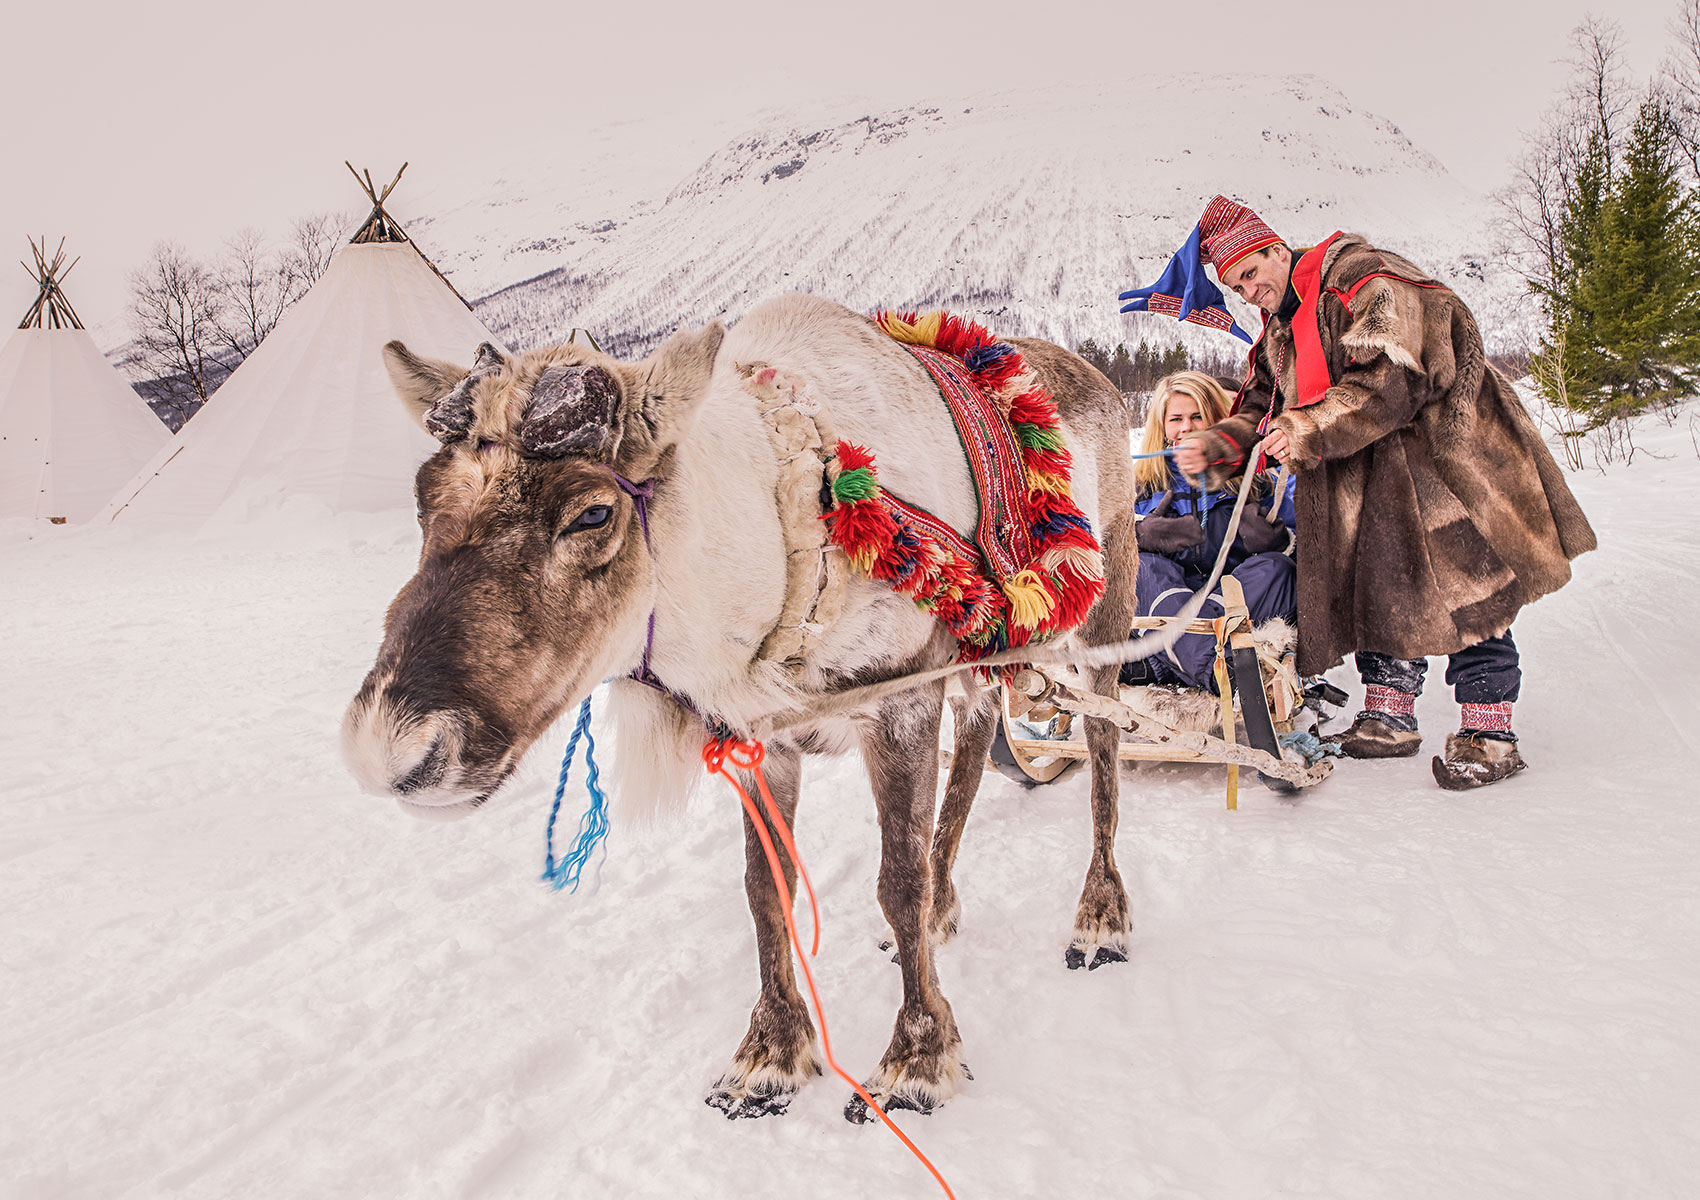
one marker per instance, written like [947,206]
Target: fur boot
[1475,760]
[1371,736]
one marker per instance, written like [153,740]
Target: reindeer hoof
[857,1111]
[1075,957]
[739,1106]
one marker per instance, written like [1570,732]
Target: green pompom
[855,485]
[1035,437]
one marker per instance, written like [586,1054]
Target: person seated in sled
[1180,530]
[1429,509]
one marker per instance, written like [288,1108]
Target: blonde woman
[1181,531]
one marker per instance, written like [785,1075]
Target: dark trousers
[1270,582]
[1486,673]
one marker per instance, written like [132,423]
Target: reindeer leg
[976,719]
[778,1054]
[1101,921]
[922,1066]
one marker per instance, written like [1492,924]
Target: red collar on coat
[1310,364]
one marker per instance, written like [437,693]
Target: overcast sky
[130,123]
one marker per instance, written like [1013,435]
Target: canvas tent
[71,428]
[309,417]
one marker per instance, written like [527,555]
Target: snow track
[227,973]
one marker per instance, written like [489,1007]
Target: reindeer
[588,519]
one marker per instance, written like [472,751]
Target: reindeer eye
[594,517]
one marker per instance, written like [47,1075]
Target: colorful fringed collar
[1034,568]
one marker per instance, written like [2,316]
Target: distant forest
[1138,371]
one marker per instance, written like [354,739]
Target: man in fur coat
[1429,509]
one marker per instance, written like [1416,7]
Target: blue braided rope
[592,827]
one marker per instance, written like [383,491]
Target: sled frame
[1031,691]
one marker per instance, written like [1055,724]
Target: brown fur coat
[1429,509]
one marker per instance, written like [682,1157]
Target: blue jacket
[1217,508]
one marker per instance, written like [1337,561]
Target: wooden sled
[1060,698]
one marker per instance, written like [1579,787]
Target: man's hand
[1168,535]
[1277,447]
[1189,456]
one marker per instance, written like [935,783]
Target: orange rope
[747,756]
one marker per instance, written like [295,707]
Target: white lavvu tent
[310,414]
[71,428]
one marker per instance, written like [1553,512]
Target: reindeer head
[534,580]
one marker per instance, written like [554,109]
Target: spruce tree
[1564,367]
[1093,353]
[1639,297]
[1144,368]
[1121,368]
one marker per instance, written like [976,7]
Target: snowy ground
[227,973]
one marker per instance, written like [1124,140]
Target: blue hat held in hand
[1186,292]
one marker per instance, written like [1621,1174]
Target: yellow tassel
[924,332]
[863,560]
[1088,564]
[1044,481]
[1029,600]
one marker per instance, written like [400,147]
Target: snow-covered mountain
[1030,208]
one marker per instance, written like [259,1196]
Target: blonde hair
[1152,474]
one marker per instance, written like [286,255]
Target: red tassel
[1033,407]
[1051,462]
[855,527]
[1075,597]
[852,456]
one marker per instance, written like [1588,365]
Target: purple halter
[642,494]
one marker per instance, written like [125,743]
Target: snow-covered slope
[224,972]
[1030,208]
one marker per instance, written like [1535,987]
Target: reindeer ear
[439,394]
[674,381]
[573,410]
[419,382]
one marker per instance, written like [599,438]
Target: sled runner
[1040,734]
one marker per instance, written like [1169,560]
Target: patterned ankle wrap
[1395,709]
[1389,700]
[1486,718]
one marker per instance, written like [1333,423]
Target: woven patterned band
[1389,700]
[1487,718]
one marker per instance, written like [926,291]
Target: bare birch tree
[1681,78]
[175,306]
[1587,120]
[256,284]
[313,239]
